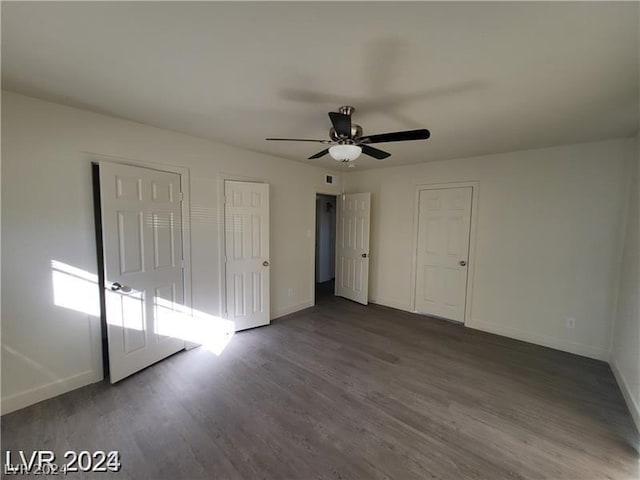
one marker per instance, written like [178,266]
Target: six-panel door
[352,246]
[247,260]
[444,219]
[143,259]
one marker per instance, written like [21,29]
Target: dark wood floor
[352,392]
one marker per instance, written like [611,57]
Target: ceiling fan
[347,141]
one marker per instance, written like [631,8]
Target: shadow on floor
[325,291]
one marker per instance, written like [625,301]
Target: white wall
[47,216]
[549,226]
[625,345]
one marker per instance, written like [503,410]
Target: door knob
[364,255]
[115,287]
[462,263]
[265,263]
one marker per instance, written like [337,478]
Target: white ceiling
[483,77]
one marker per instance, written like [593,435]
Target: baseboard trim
[292,309]
[570,347]
[632,404]
[43,392]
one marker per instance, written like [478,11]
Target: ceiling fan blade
[298,140]
[421,134]
[374,152]
[341,123]
[319,154]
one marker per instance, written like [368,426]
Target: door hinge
[182,263]
[180,196]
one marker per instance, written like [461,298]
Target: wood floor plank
[347,391]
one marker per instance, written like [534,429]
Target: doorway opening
[325,252]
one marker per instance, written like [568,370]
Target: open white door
[444,222]
[143,263]
[246,219]
[352,247]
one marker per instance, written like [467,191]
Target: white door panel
[142,245]
[444,221]
[247,253]
[352,246]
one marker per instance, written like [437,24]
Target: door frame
[97,159]
[222,249]
[472,240]
[319,191]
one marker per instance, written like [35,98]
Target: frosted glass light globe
[345,153]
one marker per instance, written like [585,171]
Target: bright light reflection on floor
[175,320]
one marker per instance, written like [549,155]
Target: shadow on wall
[382,58]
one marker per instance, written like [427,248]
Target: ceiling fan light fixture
[345,153]
[347,140]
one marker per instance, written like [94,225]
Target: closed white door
[143,266]
[444,222]
[352,247]
[246,221]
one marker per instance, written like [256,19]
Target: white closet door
[444,222]
[247,253]
[143,262]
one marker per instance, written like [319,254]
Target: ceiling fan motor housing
[356,132]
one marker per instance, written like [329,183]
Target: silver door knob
[462,263]
[115,287]
[265,264]
[364,255]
